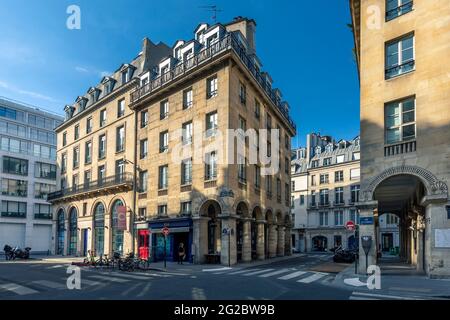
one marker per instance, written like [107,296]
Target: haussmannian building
[325,186]
[27,175]
[402,51]
[180,165]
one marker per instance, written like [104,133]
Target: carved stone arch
[108,210]
[269,215]
[58,210]
[245,202]
[203,200]
[261,211]
[96,202]
[433,185]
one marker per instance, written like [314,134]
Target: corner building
[221,210]
[402,50]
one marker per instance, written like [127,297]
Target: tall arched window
[73,231]
[99,229]
[117,235]
[60,232]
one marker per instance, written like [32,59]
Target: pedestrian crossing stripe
[376,296]
[243,271]
[106,278]
[257,272]
[312,278]
[292,275]
[49,284]
[274,273]
[17,289]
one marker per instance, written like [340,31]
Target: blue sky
[306,46]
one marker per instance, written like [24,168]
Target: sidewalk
[396,283]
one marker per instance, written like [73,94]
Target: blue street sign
[366,220]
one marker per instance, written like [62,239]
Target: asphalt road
[291,279]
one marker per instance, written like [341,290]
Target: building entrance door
[144,244]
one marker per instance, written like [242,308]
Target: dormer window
[69,110]
[318,149]
[126,73]
[94,93]
[329,148]
[82,101]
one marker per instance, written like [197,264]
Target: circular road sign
[350,226]
[165,231]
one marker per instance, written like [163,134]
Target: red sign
[122,218]
[350,225]
[165,231]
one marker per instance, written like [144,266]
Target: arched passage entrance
[99,229]
[257,230]
[73,232]
[60,229]
[319,243]
[417,197]
[242,231]
[211,210]
[400,196]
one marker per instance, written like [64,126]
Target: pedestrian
[181,253]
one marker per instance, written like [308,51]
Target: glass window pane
[408,105]
[393,135]
[409,132]
[408,117]
[407,55]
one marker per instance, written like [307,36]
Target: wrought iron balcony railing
[111,181]
[227,43]
[400,10]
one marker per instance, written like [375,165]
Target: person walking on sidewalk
[181,253]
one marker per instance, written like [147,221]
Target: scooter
[346,256]
[21,254]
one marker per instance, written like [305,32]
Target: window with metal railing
[397,8]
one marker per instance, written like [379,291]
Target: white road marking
[218,269]
[56,267]
[257,272]
[89,282]
[145,290]
[360,298]
[129,276]
[292,275]
[243,271]
[50,284]
[383,296]
[314,277]
[17,289]
[112,279]
[274,273]
[354,282]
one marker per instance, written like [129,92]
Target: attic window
[109,85]
[329,148]
[82,104]
[318,150]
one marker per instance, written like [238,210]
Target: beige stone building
[208,88]
[95,155]
[325,188]
[194,173]
[403,49]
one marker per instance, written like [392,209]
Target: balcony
[312,205]
[324,204]
[398,70]
[400,148]
[339,203]
[111,184]
[227,44]
[400,10]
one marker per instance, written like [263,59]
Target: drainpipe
[133,214]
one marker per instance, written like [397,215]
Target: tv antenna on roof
[214,9]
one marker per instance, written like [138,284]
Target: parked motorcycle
[16,253]
[345,256]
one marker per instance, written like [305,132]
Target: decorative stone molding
[433,185]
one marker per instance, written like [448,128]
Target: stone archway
[411,192]
[432,184]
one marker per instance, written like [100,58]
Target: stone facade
[220,213]
[421,158]
[331,169]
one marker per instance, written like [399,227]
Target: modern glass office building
[27,175]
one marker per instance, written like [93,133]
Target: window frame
[400,104]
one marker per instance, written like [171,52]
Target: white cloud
[81,69]
[32,94]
